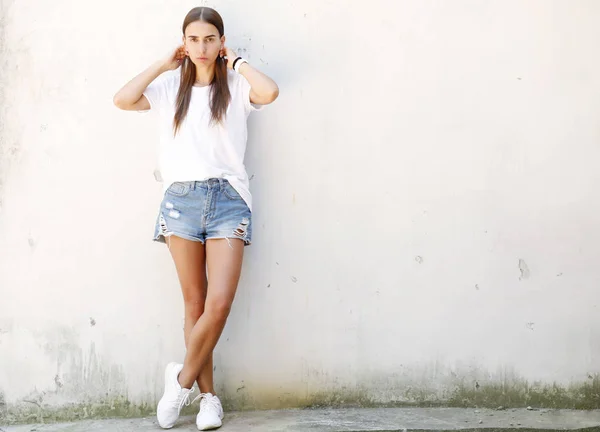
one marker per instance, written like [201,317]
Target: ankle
[183,383]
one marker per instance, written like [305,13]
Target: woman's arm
[130,97]
[263,90]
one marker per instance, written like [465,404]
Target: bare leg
[190,262]
[224,259]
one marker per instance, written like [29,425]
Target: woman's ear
[184,46]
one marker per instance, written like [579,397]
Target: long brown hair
[219,88]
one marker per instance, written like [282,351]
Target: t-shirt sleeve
[157,91]
[245,88]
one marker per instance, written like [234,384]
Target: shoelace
[209,399]
[185,399]
[200,396]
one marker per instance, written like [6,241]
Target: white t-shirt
[201,150]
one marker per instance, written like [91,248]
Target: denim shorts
[202,210]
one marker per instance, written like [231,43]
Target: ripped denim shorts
[202,210]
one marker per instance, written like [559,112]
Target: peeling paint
[520,393]
[34,412]
[459,394]
[524,269]
[452,389]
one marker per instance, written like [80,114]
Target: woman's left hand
[231,56]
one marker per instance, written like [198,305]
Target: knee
[218,310]
[194,307]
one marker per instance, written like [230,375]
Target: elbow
[273,94]
[118,101]
[266,95]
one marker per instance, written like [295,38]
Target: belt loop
[221,184]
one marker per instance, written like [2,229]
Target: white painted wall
[418,151]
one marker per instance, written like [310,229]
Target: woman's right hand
[174,59]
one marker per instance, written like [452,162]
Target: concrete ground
[355,420]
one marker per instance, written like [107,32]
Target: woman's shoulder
[171,77]
[168,83]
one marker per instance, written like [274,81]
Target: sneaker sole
[209,426]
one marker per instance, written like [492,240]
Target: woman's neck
[204,76]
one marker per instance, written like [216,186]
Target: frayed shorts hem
[161,238]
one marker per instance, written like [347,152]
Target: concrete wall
[426,201]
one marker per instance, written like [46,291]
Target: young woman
[205,217]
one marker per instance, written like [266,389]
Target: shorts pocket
[179,189]
[231,193]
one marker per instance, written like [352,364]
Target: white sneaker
[211,412]
[173,399]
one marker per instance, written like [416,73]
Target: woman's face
[202,43]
